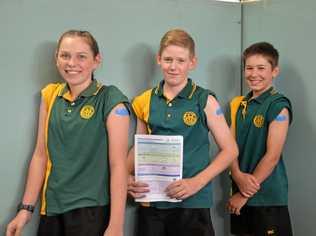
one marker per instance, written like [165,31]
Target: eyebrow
[65,51]
[257,65]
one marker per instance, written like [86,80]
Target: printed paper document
[158,162]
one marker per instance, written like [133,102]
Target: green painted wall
[290,26]
[128,33]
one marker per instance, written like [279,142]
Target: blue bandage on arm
[281,118]
[219,111]
[121,111]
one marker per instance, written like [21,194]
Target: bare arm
[140,129]
[275,142]
[136,189]
[228,151]
[247,183]
[117,125]
[35,178]
[276,138]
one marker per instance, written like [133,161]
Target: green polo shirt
[252,123]
[184,115]
[77,143]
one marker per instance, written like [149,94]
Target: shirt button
[69,111]
[170,104]
[168,115]
[72,104]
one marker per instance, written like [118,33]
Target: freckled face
[176,63]
[75,61]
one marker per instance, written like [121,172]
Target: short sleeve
[113,97]
[48,93]
[234,105]
[141,105]
[203,97]
[277,106]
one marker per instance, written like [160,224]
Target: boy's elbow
[231,152]
[234,152]
[273,158]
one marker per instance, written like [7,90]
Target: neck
[258,93]
[170,92]
[75,90]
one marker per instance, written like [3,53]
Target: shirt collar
[262,97]
[186,92]
[91,90]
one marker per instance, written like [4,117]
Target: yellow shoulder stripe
[141,105]
[49,93]
[234,104]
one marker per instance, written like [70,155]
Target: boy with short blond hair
[177,106]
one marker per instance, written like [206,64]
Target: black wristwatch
[27,207]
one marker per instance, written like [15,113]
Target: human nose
[71,61]
[253,72]
[173,65]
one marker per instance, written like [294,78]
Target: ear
[158,59]
[275,72]
[97,60]
[193,62]
[56,57]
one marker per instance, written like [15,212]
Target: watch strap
[26,207]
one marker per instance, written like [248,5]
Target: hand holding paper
[136,189]
[158,162]
[183,188]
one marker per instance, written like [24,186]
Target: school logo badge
[189,118]
[87,112]
[258,121]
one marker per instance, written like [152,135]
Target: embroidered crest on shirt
[189,118]
[258,121]
[87,112]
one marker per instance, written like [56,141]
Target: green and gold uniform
[77,147]
[251,124]
[184,115]
[265,213]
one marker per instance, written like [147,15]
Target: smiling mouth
[72,72]
[251,79]
[255,82]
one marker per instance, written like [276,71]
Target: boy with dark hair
[260,121]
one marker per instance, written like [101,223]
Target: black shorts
[175,221]
[262,221]
[85,221]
